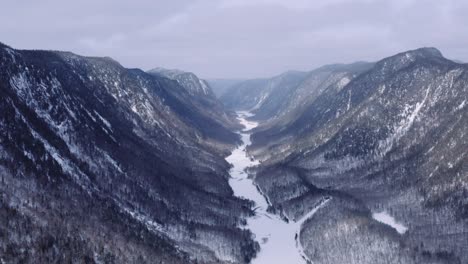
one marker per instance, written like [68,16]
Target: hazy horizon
[241,39]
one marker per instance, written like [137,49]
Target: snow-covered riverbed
[276,237]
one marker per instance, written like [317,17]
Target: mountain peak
[403,59]
[427,52]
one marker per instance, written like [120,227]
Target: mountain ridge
[141,154]
[376,144]
[86,136]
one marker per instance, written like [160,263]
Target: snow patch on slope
[203,86]
[107,123]
[143,219]
[12,53]
[260,102]
[460,107]
[385,218]
[343,82]
[404,126]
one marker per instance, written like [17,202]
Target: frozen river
[277,238]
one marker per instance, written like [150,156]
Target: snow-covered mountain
[103,164]
[202,95]
[391,141]
[283,97]
[290,103]
[188,80]
[367,162]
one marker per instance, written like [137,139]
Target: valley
[361,163]
[278,239]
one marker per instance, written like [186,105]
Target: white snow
[299,223]
[29,155]
[108,125]
[260,102]
[409,117]
[134,109]
[343,82]
[203,86]
[21,83]
[113,162]
[460,107]
[349,101]
[12,53]
[90,115]
[276,237]
[406,125]
[148,222]
[387,219]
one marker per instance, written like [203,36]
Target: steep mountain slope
[262,96]
[188,80]
[328,79]
[273,101]
[105,164]
[280,99]
[392,140]
[202,98]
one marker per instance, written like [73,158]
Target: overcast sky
[236,38]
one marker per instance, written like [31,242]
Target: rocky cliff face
[100,163]
[391,139]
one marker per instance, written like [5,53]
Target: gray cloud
[237,38]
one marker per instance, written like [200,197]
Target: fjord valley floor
[348,163]
[278,239]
